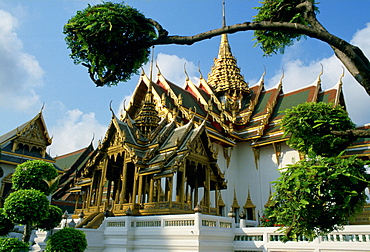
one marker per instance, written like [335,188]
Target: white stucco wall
[242,173]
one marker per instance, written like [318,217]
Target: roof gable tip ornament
[340,81]
[204,121]
[142,71]
[158,70]
[282,77]
[42,107]
[191,115]
[110,108]
[262,79]
[338,87]
[186,74]
[200,72]
[280,83]
[92,140]
[321,73]
[123,111]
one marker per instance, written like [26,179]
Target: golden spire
[235,204]
[249,203]
[224,46]
[147,119]
[270,201]
[225,74]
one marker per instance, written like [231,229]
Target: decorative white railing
[164,221]
[351,238]
[200,232]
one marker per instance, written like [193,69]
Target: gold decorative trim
[25,156]
[256,154]
[249,203]
[235,204]
[267,143]
[269,202]
[278,154]
[220,200]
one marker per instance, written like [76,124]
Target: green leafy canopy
[27,206]
[316,196]
[272,42]
[111,40]
[51,220]
[309,126]
[13,245]
[35,174]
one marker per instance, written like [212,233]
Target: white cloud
[20,73]
[362,39]
[75,131]
[172,68]
[299,74]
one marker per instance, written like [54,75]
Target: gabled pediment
[31,136]
[34,133]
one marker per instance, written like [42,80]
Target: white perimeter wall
[199,232]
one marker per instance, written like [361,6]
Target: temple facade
[26,142]
[212,148]
[151,166]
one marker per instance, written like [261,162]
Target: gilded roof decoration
[249,203]
[147,119]
[225,74]
[28,140]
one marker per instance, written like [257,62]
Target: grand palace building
[185,168]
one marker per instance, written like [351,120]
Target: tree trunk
[27,232]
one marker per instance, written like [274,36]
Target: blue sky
[35,67]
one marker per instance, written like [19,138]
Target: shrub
[35,174]
[310,126]
[5,224]
[12,245]
[26,206]
[53,218]
[317,196]
[67,240]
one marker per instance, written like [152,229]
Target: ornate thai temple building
[26,142]
[179,162]
[151,166]
[213,148]
[185,168]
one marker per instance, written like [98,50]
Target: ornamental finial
[223,14]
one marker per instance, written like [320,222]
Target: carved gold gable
[33,135]
[117,139]
[198,148]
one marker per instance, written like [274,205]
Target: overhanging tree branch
[352,133]
[351,56]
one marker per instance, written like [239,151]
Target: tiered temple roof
[26,142]
[233,111]
[159,153]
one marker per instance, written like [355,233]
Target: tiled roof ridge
[71,153]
